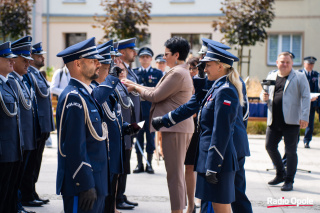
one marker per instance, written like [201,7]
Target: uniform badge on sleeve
[226,102]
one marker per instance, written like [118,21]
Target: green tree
[124,19]
[15,18]
[245,22]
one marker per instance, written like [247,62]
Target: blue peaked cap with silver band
[127,43]
[159,58]
[22,41]
[215,53]
[207,41]
[115,46]
[5,50]
[145,51]
[109,43]
[37,49]
[23,51]
[105,53]
[84,49]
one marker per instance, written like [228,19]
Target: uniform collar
[306,71]
[19,76]
[148,68]
[3,78]
[88,88]
[34,68]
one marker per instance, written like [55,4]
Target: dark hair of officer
[180,45]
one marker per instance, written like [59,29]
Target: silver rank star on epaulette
[225,85]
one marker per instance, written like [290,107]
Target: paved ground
[152,194]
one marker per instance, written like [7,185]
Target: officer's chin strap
[87,121]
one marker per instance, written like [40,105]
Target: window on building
[278,43]
[194,41]
[73,38]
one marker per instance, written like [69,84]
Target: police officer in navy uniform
[44,122]
[313,79]
[11,140]
[26,97]
[241,143]
[82,176]
[126,48]
[161,63]
[149,77]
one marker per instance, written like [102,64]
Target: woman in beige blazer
[174,89]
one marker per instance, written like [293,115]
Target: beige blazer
[173,90]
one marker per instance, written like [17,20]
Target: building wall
[292,16]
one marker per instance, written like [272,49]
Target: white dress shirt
[55,87]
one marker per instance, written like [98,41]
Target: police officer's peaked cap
[22,41]
[145,51]
[37,49]
[310,60]
[84,49]
[127,43]
[215,53]
[159,58]
[207,41]
[5,50]
[115,46]
[109,43]
[105,53]
[23,51]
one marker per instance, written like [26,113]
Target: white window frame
[279,49]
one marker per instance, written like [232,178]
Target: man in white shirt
[60,80]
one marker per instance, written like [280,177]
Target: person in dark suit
[149,77]
[82,176]
[26,97]
[44,122]
[313,79]
[126,50]
[11,139]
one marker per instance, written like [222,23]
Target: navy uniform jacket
[149,79]
[82,160]
[42,102]
[314,85]
[127,110]
[186,110]
[26,113]
[135,97]
[11,140]
[217,118]
[112,116]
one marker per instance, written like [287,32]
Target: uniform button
[96,119]
[112,82]
[219,165]
[77,184]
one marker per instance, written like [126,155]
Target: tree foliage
[245,21]
[124,19]
[15,18]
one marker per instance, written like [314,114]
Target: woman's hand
[129,84]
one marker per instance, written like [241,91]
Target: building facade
[65,22]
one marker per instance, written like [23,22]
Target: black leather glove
[87,199]
[115,71]
[201,67]
[132,129]
[211,177]
[157,123]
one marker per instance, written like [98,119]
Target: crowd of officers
[98,118]
[26,122]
